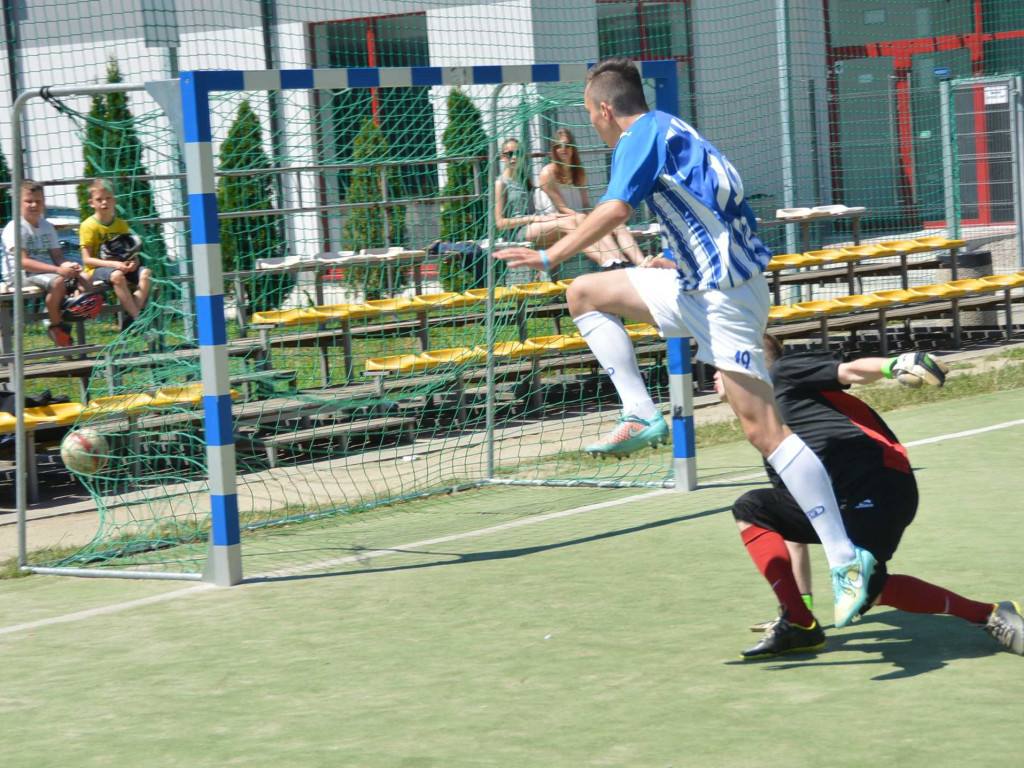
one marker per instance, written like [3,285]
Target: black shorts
[875,518]
[103,274]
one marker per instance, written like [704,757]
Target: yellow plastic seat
[973,285]
[454,356]
[1005,281]
[941,291]
[567,282]
[187,394]
[864,301]
[906,246]
[940,242]
[560,343]
[500,294]
[641,331]
[790,261]
[902,295]
[342,312]
[870,251]
[507,349]
[784,312]
[58,413]
[8,422]
[389,305]
[285,317]
[116,404]
[436,299]
[399,363]
[830,256]
[822,306]
[535,290]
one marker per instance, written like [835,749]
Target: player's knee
[744,509]
[117,278]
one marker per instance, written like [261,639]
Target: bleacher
[387,395]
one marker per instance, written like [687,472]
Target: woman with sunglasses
[514,213]
[563,189]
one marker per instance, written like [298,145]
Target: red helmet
[82,307]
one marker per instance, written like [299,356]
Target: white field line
[197,589]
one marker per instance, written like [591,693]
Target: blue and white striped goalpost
[224,563]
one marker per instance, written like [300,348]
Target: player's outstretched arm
[911,369]
[598,223]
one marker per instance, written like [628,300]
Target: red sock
[915,596]
[768,551]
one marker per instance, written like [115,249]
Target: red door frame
[901,52]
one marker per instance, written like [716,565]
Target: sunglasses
[511,153]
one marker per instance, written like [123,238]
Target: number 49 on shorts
[743,357]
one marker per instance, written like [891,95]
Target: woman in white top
[563,185]
[514,214]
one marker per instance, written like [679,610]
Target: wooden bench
[338,433]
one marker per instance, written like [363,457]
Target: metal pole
[1016,86]
[489,331]
[18,382]
[785,124]
[948,169]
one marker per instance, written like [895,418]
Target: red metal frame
[901,52]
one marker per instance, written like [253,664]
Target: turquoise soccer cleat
[632,434]
[850,586]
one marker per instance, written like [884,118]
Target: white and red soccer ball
[84,451]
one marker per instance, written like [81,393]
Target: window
[405,115]
[650,30]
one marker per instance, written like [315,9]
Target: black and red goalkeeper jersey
[851,439]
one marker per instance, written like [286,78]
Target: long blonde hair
[572,172]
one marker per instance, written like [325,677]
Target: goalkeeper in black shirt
[875,487]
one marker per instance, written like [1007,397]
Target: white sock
[613,349]
[807,480]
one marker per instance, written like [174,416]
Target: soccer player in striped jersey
[716,294]
[876,488]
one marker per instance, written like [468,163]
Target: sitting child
[43,262]
[119,266]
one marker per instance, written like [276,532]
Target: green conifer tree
[244,240]
[463,219]
[7,196]
[364,226]
[113,151]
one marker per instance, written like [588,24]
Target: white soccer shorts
[728,325]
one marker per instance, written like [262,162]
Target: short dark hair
[27,185]
[773,349]
[616,82]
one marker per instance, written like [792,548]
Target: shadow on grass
[909,644]
[462,558]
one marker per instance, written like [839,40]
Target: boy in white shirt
[43,262]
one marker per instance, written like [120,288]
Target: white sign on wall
[996,94]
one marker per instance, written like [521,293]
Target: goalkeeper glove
[912,369]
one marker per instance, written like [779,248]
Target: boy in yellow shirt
[121,274]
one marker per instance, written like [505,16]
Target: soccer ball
[84,451]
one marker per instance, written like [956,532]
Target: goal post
[224,563]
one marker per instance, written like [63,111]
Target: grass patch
[1016,353]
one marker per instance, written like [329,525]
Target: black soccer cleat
[783,636]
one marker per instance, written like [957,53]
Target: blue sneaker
[632,434]
[850,586]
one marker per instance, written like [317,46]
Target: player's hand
[68,270]
[912,369]
[521,257]
[657,262]
[129,266]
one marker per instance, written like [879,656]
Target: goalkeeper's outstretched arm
[911,369]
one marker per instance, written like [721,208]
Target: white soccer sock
[611,346]
[807,480]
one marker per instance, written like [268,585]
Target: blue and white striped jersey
[697,196]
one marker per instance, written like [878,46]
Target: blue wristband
[544,259]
